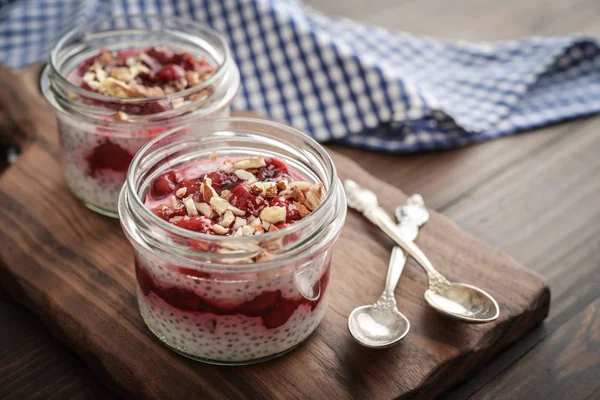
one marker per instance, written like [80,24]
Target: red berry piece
[164,185]
[192,186]
[170,73]
[244,200]
[196,224]
[162,54]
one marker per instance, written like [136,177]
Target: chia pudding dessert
[242,270]
[111,97]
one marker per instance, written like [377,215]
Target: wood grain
[78,278]
[449,181]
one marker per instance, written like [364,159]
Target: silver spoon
[460,301]
[381,324]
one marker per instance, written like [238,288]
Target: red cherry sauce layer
[274,309]
[254,195]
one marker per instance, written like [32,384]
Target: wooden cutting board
[74,269]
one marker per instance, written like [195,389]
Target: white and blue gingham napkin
[359,85]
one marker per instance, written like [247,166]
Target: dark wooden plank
[35,365]
[544,211]
[91,281]
[570,356]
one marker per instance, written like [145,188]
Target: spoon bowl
[377,329]
[464,302]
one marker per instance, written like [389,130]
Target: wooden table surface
[534,195]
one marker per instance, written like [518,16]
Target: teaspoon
[460,301]
[381,324]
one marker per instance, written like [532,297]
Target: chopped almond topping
[190,207]
[273,228]
[179,102]
[245,175]
[205,210]
[226,194]
[304,186]
[123,74]
[282,185]
[314,195]
[121,116]
[256,188]
[238,232]
[303,211]
[193,78]
[249,163]
[239,222]
[220,205]
[207,190]
[227,219]
[174,202]
[270,191]
[181,192]
[220,230]
[237,211]
[273,215]
[258,226]
[247,230]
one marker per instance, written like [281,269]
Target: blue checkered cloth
[360,85]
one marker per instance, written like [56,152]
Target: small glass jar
[219,299]
[97,145]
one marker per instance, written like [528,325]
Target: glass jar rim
[220,71]
[188,234]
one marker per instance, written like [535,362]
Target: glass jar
[97,145]
[218,299]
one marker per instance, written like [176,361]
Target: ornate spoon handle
[380,218]
[365,202]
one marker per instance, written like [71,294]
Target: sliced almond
[121,116]
[220,230]
[258,226]
[245,175]
[303,211]
[226,194]
[226,167]
[205,210]
[190,207]
[266,225]
[314,195]
[220,205]
[237,211]
[175,219]
[179,102]
[238,232]
[265,256]
[193,78]
[273,215]
[174,202]
[248,230]
[253,162]
[304,186]
[123,74]
[181,192]
[207,190]
[227,219]
[239,222]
